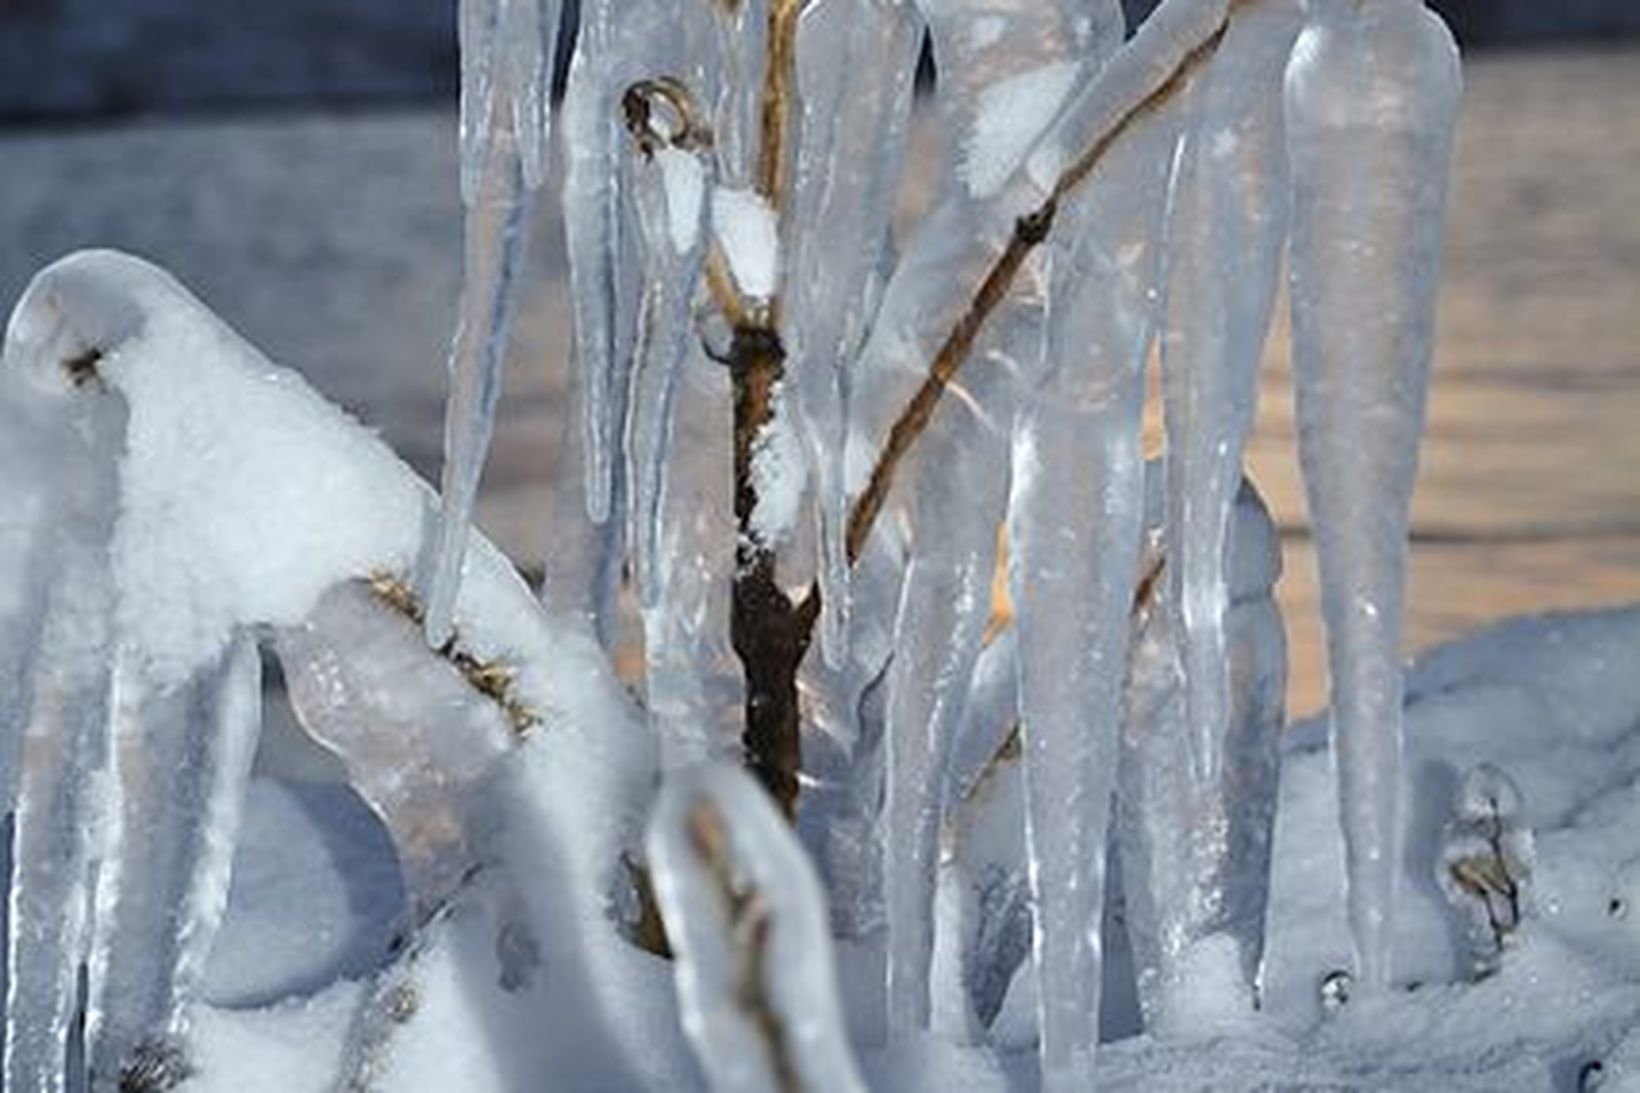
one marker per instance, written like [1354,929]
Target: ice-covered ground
[1553,701]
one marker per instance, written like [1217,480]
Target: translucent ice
[1075,537]
[1225,233]
[1371,97]
[361,683]
[180,759]
[1196,856]
[855,64]
[755,978]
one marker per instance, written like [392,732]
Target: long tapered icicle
[1371,97]
[619,44]
[507,48]
[162,893]
[998,91]
[855,65]
[1074,524]
[747,919]
[1225,234]
[63,742]
[671,189]
[945,602]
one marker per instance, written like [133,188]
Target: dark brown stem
[766,630]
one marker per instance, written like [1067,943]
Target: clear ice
[506,70]
[960,474]
[1225,235]
[743,907]
[1371,100]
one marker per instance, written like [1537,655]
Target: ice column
[856,60]
[1225,234]
[180,760]
[1077,510]
[506,66]
[1371,97]
[1002,77]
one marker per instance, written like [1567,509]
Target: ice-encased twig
[855,65]
[507,50]
[744,910]
[1074,524]
[1225,232]
[361,684]
[180,759]
[1371,99]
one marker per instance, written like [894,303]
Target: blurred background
[294,163]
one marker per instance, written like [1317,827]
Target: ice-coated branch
[747,920]
[1146,74]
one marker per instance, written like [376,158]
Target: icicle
[1371,97]
[1225,234]
[671,186]
[692,682]
[855,65]
[180,760]
[67,441]
[743,908]
[507,48]
[64,742]
[1075,522]
[959,501]
[361,685]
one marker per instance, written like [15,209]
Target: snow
[780,473]
[745,227]
[685,195]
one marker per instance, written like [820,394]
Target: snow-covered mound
[1554,702]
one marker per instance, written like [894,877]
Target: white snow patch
[745,225]
[685,182]
[1009,116]
[780,474]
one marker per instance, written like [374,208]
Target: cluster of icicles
[940,756]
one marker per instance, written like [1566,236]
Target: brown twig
[490,678]
[1029,232]
[774,121]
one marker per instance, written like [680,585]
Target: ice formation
[1371,94]
[1015,835]
[507,49]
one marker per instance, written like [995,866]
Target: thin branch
[1029,232]
[774,122]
